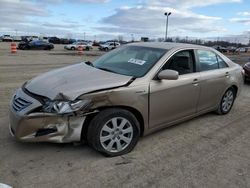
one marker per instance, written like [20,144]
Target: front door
[171,100]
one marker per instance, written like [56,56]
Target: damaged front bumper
[27,125]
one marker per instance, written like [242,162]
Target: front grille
[20,104]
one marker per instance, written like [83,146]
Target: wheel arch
[235,89]
[134,111]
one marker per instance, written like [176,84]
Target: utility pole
[166,35]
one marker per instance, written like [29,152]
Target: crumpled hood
[73,81]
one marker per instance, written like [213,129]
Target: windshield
[133,61]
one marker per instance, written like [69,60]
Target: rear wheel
[72,48]
[227,101]
[87,48]
[113,132]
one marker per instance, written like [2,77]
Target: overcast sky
[103,19]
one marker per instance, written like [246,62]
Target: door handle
[227,74]
[195,82]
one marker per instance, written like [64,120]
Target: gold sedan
[127,93]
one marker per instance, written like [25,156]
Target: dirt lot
[208,151]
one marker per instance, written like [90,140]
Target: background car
[231,49]
[54,40]
[221,49]
[71,41]
[65,41]
[241,50]
[109,46]
[35,45]
[246,68]
[95,43]
[7,38]
[46,39]
[75,45]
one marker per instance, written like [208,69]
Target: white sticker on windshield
[136,61]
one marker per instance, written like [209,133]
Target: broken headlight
[65,107]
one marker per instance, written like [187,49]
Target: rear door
[171,100]
[215,77]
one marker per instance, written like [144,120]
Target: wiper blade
[89,63]
[106,69]
[102,68]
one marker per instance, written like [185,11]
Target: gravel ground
[207,151]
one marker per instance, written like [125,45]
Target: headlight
[65,107]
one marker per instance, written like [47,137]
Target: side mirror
[168,75]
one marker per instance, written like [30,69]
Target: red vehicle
[246,67]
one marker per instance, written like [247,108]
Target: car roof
[167,45]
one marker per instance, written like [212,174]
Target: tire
[226,102]
[106,49]
[73,48]
[87,48]
[115,140]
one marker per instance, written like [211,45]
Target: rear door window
[207,60]
[222,63]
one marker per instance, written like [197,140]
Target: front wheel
[227,102]
[113,132]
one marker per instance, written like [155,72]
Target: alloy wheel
[227,101]
[116,134]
